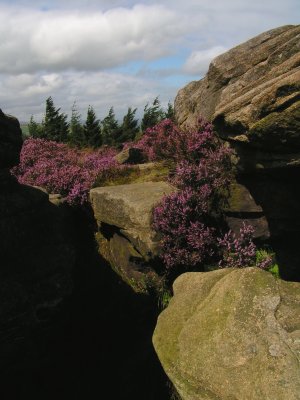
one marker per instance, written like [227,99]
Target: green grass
[274,269]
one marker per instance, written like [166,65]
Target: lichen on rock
[231,334]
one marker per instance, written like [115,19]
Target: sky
[120,53]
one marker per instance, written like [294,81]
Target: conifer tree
[55,126]
[129,127]
[92,129]
[76,133]
[152,115]
[110,128]
[170,114]
[35,129]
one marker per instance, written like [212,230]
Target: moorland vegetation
[94,132]
[190,220]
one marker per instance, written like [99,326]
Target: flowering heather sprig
[240,251]
[265,259]
[61,169]
[266,263]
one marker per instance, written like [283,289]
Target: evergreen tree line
[93,132]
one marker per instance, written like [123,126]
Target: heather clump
[100,162]
[187,239]
[189,219]
[166,141]
[61,169]
[237,251]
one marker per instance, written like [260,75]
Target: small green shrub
[263,255]
[164,298]
[274,269]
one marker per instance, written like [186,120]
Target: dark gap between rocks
[99,344]
[277,192]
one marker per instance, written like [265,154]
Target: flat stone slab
[130,208]
[242,208]
[241,201]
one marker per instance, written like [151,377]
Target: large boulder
[10,141]
[36,259]
[251,94]
[125,237]
[232,334]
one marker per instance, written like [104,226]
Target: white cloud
[198,62]
[35,40]
[25,94]
[73,50]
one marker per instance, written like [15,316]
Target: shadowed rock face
[242,208]
[36,256]
[10,141]
[252,95]
[69,329]
[130,156]
[232,334]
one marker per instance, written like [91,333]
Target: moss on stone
[220,333]
[278,131]
[236,197]
[156,172]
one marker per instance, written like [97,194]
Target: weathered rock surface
[125,237]
[232,334]
[129,208]
[242,208]
[252,95]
